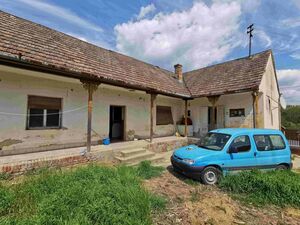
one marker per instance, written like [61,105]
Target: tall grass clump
[280,188]
[90,195]
[146,171]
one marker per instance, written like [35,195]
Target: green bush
[91,195]
[280,188]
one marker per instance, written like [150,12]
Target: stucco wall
[270,97]
[199,112]
[16,85]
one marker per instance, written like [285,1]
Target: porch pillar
[213,101]
[255,108]
[185,117]
[91,87]
[152,111]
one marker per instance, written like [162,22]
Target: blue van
[223,151]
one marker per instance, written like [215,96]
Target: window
[43,112]
[241,143]
[269,142]
[214,141]
[237,112]
[164,115]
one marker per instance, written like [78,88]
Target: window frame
[44,127]
[162,107]
[233,116]
[270,142]
[238,137]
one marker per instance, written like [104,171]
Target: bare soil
[193,203]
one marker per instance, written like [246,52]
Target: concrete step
[132,152]
[155,160]
[136,158]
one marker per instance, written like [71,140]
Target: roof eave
[36,66]
[255,88]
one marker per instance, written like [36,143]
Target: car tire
[281,167]
[210,175]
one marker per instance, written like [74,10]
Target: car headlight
[189,161]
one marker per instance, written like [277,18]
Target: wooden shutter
[164,115]
[38,102]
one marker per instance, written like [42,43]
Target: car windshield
[214,141]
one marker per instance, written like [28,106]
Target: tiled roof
[44,47]
[41,45]
[233,76]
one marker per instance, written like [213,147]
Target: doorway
[219,117]
[116,123]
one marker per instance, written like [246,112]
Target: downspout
[279,111]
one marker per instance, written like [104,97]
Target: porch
[131,152]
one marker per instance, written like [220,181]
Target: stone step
[136,158]
[155,161]
[132,152]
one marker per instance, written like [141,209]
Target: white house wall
[17,84]
[269,91]
[199,111]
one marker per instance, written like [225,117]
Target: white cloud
[296,55]
[289,82]
[62,13]
[264,38]
[291,22]
[144,11]
[195,37]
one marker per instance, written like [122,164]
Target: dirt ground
[193,203]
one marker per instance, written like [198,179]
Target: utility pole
[250,29]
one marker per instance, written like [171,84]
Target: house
[56,90]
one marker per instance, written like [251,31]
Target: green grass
[146,171]
[90,195]
[281,188]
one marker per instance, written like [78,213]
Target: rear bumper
[193,172]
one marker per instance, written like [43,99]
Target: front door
[116,123]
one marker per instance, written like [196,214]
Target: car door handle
[255,154]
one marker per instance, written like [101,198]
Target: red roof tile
[39,44]
[233,76]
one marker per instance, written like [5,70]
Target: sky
[194,33]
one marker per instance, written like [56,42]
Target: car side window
[269,142]
[241,143]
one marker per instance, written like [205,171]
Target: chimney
[178,72]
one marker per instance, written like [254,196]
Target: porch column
[185,117]
[213,101]
[255,108]
[91,87]
[152,111]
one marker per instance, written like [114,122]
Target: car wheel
[281,167]
[210,175]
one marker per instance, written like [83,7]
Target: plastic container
[106,141]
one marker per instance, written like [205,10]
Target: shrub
[280,188]
[89,195]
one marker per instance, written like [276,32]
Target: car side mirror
[233,149]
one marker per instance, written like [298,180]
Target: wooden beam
[213,100]
[255,109]
[152,111]
[185,117]
[91,88]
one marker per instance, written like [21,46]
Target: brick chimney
[178,72]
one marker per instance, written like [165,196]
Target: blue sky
[194,33]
